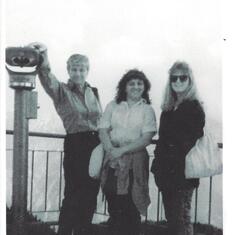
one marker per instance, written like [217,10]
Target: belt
[84,133]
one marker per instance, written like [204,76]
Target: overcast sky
[117,36]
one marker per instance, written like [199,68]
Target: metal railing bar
[196,202]
[100,213]
[40,134]
[48,211]
[146,217]
[161,210]
[158,205]
[46,183]
[62,136]
[40,150]
[105,205]
[57,211]
[60,180]
[159,201]
[210,199]
[32,174]
[44,151]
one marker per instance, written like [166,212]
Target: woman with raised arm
[78,106]
[126,128]
[181,124]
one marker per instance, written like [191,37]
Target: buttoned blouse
[127,124]
[79,110]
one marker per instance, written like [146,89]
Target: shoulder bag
[204,159]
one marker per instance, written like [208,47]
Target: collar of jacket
[74,86]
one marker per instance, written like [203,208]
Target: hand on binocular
[38,46]
[42,49]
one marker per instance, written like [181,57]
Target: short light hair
[170,98]
[76,59]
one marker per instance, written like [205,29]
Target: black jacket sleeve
[192,128]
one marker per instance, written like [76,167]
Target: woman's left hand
[117,152]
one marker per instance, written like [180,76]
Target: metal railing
[47,154]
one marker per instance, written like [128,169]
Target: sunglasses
[182,78]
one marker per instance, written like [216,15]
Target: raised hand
[42,49]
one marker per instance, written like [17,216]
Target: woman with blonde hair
[77,103]
[181,124]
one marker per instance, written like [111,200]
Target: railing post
[158,205]
[210,199]
[46,183]
[24,108]
[196,201]
[60,180]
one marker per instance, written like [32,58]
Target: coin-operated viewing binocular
[21,64]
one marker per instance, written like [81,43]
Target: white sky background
[117,36]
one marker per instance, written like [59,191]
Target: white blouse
[128,123]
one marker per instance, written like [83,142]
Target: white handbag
[96,161]
[204,159]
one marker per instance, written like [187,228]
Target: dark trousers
[124,216]
[81,190]
[177,206]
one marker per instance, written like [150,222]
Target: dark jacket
[178,132]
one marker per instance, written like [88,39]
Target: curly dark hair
[132,74]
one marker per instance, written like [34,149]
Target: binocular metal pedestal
[25,108]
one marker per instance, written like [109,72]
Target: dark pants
[177,206]
[81,190]
[124,216]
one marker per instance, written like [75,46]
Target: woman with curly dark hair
[126,128]
[121,88]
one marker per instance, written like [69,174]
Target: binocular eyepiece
[21,64]
[22,59]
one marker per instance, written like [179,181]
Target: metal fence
[47,155]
